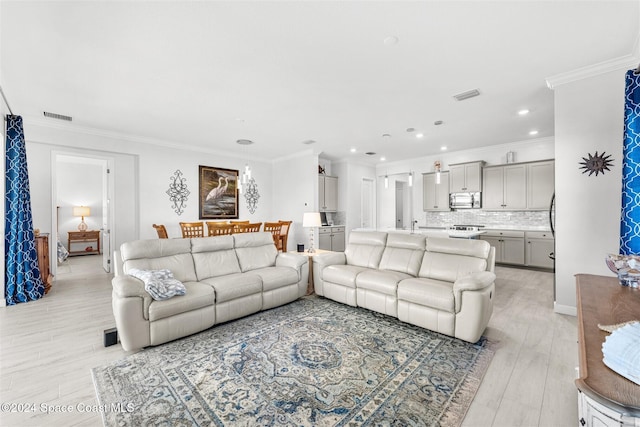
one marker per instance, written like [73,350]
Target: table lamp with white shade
[82,211]
[311,220]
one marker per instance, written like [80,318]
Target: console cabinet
[604,397]
[331,239]
[435,196]
[44,265]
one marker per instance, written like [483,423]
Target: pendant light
[246,174]
[436,165]
[411,179]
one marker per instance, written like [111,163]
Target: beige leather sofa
[442,284]
[226,277]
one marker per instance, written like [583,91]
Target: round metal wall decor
[598,163]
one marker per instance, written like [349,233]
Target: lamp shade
[311,219]
[81,211]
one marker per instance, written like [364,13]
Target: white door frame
[107,163]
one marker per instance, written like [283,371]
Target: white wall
[350,176]
[589,117]
[295,183]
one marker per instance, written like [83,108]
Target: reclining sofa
[442,284]
[226,277]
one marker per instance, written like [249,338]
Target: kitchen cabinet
[465,177]
[540,184]
[505,187]
[539,244]
[331,239]
[435,197]
[509,245]
[328,193]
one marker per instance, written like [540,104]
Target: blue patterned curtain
[22,275]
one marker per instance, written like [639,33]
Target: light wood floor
[48,347]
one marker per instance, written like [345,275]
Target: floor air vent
[57,116]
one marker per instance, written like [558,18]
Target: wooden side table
[89,236]
[310,289]
[42,249]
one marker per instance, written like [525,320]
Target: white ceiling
[279,73]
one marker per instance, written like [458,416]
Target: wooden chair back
[274,228]
[284,233]
[218,228]
[161,230]
[236,222]
[247,228]
[192,229]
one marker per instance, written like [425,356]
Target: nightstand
[84,237]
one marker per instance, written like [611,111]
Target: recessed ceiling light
[244,141]
[309,142]
[391,40]
[533,132]
[523,112]
[386,135]
[410,130]
[419,135]
[353,150]
[382,159]
[443,148]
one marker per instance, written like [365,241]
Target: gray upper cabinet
[328,193]
[435,196]
[540,184]
[465,177]
[505,187]
[518,186]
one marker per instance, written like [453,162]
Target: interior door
[367,204]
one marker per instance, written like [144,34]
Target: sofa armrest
[473,282]
[329,258]
[125,286]
[290,259]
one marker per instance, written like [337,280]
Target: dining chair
[192,229]
[162,231]
[284,233]
[247,228]
[236,222]
[219,228]
[274,228]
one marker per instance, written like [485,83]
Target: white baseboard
[564,309]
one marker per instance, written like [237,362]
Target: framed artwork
[218,193]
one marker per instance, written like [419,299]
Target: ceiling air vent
[466,95]
[57,116]
[370,153]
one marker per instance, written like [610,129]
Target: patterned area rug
[313,362]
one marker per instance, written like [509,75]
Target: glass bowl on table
[626,267]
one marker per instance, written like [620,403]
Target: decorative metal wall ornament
[251,195]
[596,163]
[178,192]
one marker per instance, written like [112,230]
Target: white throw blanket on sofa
[160,284]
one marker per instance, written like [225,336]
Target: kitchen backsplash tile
[494,219]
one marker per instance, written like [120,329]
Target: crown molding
[627,61]
[101,133]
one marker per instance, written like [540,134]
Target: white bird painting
[217,192]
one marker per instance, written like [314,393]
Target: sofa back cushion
[214,256]
[255,250]
[158,254]
[449,259]
[365,248]
[403,253]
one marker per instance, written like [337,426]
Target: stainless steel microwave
[465,200]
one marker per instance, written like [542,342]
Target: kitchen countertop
[497,227]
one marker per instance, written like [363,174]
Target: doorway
[82,184]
